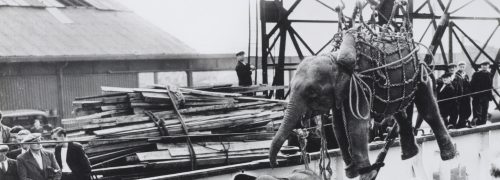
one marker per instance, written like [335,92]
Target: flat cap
[446,75]
[485,63]
[240,53]
[56,130]
[452,65]
[23,132]
[4,148]
[34,137]
[461,63]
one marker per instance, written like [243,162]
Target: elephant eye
[313,92]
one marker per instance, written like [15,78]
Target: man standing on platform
[446,90]
[481,83]
[243,70]
[71,158]
[37,164]
[453,108]
[463,102]
[8,167]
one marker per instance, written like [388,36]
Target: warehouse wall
[34,92]
[90,84]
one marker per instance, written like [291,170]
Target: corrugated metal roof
[45,34]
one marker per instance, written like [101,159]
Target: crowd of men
[455,91]
[26,159]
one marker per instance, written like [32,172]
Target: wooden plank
[115,147]
[115,99]
[98,126]
[208,93]
[166,155]
[154,155]
[183,90]
[263,99]
[87,118]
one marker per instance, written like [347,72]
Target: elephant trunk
[295,109]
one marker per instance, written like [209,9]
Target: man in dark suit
[482,81]
[8,167]
[23,147]
[446,90]
[463,102]
[71,158]
[243,70]
[457,86]
[37,164]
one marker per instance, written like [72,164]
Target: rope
[354,85]
[302,137]
[325,168]
[160,123]
[226,150]
[192,153]
[469,94]
[392,63]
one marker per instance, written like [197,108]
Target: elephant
[324,84]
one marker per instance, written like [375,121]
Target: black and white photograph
[249,90]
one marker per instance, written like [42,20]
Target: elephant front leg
[409,146]
[340,134]
[427,106]
[357,132]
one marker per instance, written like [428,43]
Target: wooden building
[52,51]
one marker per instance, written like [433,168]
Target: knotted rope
[324,161]
[302,137]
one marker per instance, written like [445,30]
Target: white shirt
[5,165]
[64,154]
[38,158]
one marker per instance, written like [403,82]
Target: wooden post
[189,78]
[60,95]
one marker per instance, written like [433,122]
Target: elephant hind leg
[409,146]
[427,106]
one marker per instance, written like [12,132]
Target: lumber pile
[128,127]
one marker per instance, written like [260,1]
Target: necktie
[3,167]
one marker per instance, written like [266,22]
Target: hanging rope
[357,84]
[324,161]
[302,135]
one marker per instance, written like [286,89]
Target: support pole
[265,43]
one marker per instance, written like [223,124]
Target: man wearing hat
[482,80]
[23,147]
[446,90]
[4,131]
[37,164]
[8,167]
[71,157]
[243,70]
[453,108]
[464,104]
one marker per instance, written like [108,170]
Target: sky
[222,26]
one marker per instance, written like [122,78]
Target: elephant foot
[368,176]
[409,153]
[448,151]
[351,171]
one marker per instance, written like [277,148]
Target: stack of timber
[137,132]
